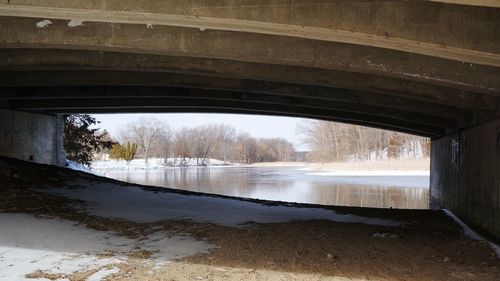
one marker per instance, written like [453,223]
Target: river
[290,184]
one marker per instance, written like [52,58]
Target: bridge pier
[465,176]
[32,137]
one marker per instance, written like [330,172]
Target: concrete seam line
[277,29]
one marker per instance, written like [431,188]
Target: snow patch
[75,22]
[77,167]
[139,205]
[28,244]
[153,164]
[103,273]
[471,233]
[43,23]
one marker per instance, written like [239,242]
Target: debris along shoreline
[286,242]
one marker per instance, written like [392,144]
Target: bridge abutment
[32,137]
[465,176]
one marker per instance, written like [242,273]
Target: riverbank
[403,167]
[101,166]
[379,165]
[146,233]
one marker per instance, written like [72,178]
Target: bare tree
[181,147]
[217,141]
[245,148]
[145,132]
[166,143]
[331,141]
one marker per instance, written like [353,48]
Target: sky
[256,125]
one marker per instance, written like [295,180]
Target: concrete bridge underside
[430,68]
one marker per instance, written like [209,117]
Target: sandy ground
[426,245]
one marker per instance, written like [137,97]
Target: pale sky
[256,125]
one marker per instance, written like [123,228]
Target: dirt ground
[428,246]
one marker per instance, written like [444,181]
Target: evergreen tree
[81,141]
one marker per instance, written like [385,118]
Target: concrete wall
[31,137]
[465,176]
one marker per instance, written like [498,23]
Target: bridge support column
[32,137]
[465,176]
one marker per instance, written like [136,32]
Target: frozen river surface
[290,184]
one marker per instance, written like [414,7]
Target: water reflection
[291,185]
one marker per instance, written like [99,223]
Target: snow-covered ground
[77,167]
[143,206]
[152,164]
[102,167]
[393,167]
[279,164]
[405,167]
[29,244]
[139,205]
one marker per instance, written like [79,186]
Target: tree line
[146,138]
[332,141]
[202,143]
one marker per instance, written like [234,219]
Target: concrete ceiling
[420,67]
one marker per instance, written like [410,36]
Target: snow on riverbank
[279,164]
[152,164]
[371,173]
[394,167]
[413,167]
[30,244]
[401,167]
[139,205]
